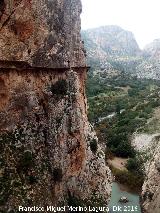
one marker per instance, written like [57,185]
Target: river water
[115,206]
[109,116]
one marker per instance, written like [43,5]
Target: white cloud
[142,17]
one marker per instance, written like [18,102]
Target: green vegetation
[57,174]
[94,202]
[74,201]
[5,186]
[129,102]
[93,146]
[135,165]
[59,88]
[133,176]
[32,179]
[27,160]
[118,107]
[134,181]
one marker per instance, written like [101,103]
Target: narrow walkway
[25,65]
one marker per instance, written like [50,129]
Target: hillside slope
[150,67]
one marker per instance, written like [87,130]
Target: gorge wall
[43,33]
[46,141]
[151,186]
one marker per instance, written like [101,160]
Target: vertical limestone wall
[45,141]
[45,136]
[43,33]
[151,186]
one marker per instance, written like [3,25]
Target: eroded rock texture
[45,145]
[49,153]
[43,33]
[151,186]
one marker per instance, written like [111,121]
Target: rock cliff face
[111,44]
[151,186]
[151,63]
[49,152]
[152,49]
[149,145]
[111,48]
[43,33]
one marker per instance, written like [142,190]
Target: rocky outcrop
[149,69]
[111,44]
[151,186]
[43,33]
[45,145]
[113,40]
[149,147]
[49,152]
[152,49]
[111,48]
[150,66]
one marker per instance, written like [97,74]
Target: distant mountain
[111,44]
[152,50]
[111,48]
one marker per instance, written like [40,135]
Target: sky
[142,17]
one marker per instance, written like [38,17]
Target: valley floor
[118,163]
